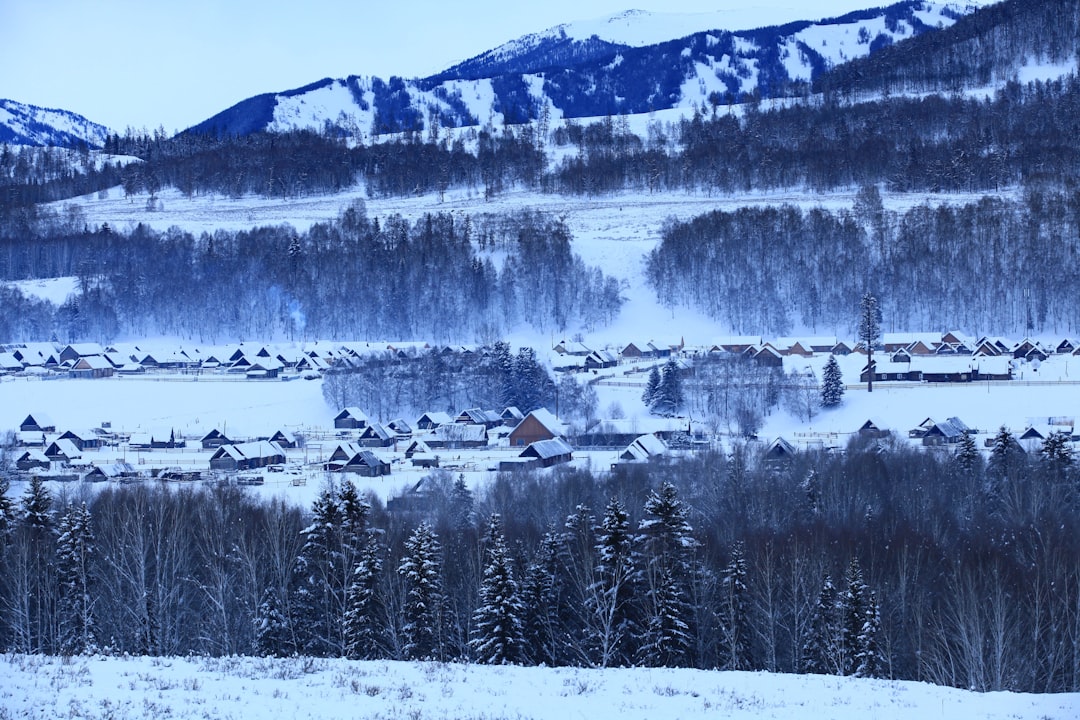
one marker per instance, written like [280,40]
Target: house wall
[529,431]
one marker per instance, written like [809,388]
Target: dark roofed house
[214,439]
[32,459]
[353,458]
[945,433]
[375,435]
[351,418]
[643,449]
[37,422]
[82,440]
[62,450]
[285,439]
[432,420]
[779,450]
[476,416]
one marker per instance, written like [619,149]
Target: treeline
[936,143]
[880,561]
[356,276]
[998,266]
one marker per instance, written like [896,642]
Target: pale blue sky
[151,63]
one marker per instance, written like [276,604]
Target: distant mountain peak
[23,124]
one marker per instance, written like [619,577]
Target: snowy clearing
[207,688]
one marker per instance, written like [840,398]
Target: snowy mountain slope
[633,62]
[22,124]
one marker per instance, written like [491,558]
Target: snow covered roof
[644,447]
[546,449]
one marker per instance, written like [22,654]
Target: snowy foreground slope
[122,688]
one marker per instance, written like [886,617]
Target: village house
[62,451]
[643,449]
[353,458]
[37,422]
[457,436]
[548,452]
[32,460]
[247,456]
[214,439]
[351,418]
[540,424]
[375,435]
[432,420]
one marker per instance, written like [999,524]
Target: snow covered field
[205,688]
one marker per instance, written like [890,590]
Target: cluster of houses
[533,440]
[914,357]
[255,361]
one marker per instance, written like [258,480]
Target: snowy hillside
[22,124]
[633,62]
[309,688]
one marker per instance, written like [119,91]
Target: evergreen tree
[7,513]
[968,458]
[422,612]
[542,603]
[461,505]
[868,660]
[811,489]
[822,652]
[1057,454]
[364,621]
[668,398]
[272,632]
[832,384]
[868,332]
[74,555]
[318,597]
[734,620]
[34,582]
[652,387]
[1006,459]
[497,623]
[855,610]
[611,594]
[664,544]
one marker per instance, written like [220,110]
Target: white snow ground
[207,689]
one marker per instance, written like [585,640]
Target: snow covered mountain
[22,124]
[633,62]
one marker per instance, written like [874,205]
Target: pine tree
[855,607]
[668,398]
[832,384]
[652,387]
[422,611]
[811,489]
[868,332]
[74,555]
[611,593]
[1057,454]
[34,586]
[822,651]
[868,660]
[542,603]
[363,617]
[461,505]
[272,632]
[318,597]
[7,513]
[967,455]
[664,544]
[734,620]
[497,635]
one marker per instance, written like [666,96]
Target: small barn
[82,440]
[285,439]
[779,450]
[456,436]
[548,452]
[375,435]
